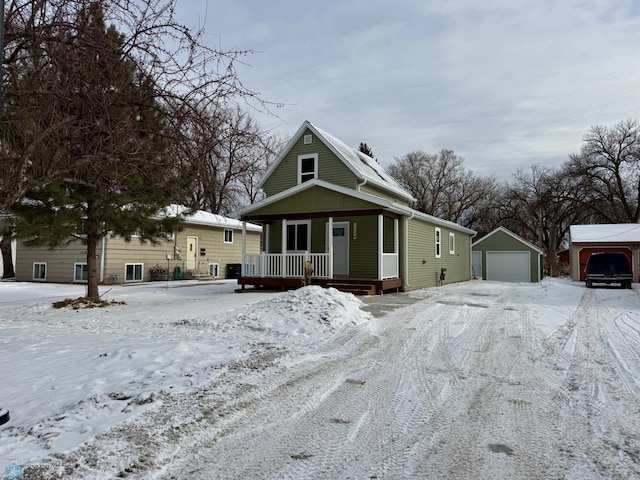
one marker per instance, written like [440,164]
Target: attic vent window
[308,139]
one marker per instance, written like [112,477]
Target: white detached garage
[503,256]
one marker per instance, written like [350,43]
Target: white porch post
[244,249]
[396,244]
[330,242]
[284,247]
[380,245]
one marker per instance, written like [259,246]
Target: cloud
[506,84]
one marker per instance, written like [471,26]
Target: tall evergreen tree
[114,173]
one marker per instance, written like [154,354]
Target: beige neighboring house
[209,246]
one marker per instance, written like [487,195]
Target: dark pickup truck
[608,267]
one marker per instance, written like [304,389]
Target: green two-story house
[329,204]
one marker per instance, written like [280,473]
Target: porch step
[356,289]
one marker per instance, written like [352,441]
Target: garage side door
[476,263]
[508,266]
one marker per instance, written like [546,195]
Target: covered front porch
[358,252]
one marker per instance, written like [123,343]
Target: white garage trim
[508,266]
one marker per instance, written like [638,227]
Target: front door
[340,248]
[192,247]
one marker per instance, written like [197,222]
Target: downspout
[104,247]
[407,285]
[471,272]
[364,182]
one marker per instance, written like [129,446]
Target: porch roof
[379,202]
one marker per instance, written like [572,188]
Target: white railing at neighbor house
[287,265]
[390,266]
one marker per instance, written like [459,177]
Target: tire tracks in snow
[446,391]
[598,348]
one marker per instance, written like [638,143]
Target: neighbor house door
[340,248]
[192,252]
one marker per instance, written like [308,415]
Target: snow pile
[69,375]
[303,312]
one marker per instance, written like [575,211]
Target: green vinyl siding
[330,168]
[500,241]
[363,244]
[379,192]
[315,199]
[423,266]
[363,250]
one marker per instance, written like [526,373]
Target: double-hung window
[228,235]
[452,243]
[438,242]
[307,167]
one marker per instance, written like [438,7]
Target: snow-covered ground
[190,380]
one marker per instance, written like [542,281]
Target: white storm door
[477,264]
[340,248]
[192,248]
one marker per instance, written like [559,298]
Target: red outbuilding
[588,239]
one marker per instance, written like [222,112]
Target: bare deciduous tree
[89,132]
[443,187]
[228,153]
[607,172]
[535,205]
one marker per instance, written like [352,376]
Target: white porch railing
[390,267]
[272,264]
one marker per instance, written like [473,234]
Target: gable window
[133,272]
[308,139]
[298,238]
[438,242]
[228,235]
[452,243]
[39,271]
[307,167]
[80,272]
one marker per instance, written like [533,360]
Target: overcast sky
[504,83]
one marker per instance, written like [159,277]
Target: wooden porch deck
[357,286]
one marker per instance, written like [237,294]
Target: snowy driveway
[478,380]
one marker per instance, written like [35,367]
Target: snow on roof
[617,232]
[366,166]
[512,235]
[200,217]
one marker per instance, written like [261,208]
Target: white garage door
[508,266]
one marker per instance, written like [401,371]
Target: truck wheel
[4,416]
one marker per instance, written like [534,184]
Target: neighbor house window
[307,167]
[452,243]
[214,270]
[438,242]
[298,237]
[228,235]
[39,271]
[133,272]
[80,272]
